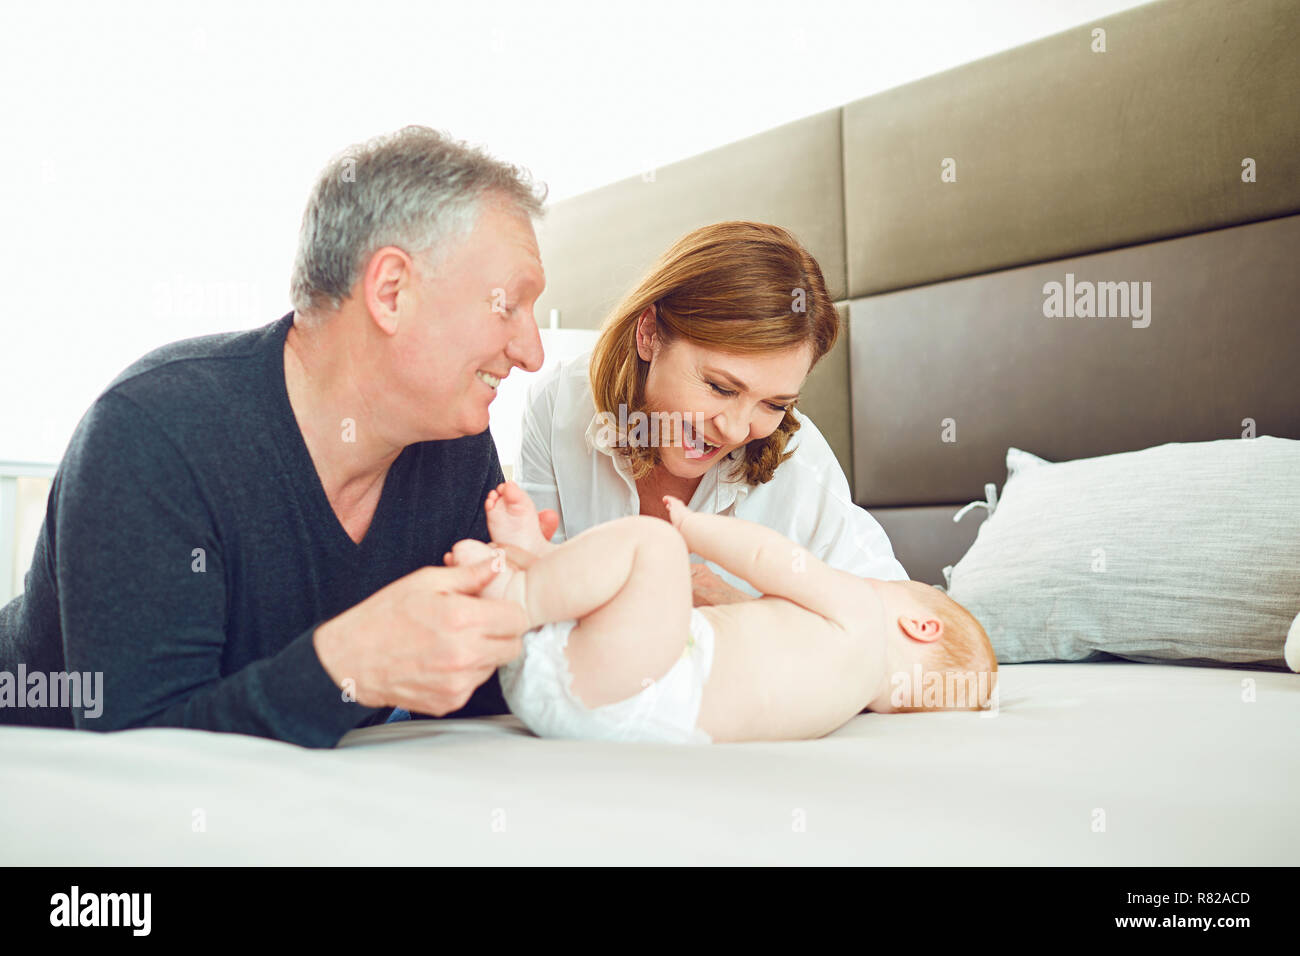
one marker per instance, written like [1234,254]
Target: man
[243,533]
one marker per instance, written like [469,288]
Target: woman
[713,345]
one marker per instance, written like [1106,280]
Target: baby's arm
[771,562]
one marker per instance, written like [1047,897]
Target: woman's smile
[696,448]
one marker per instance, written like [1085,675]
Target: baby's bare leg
[627,583]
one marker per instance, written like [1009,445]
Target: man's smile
[488,379]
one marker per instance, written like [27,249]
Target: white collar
[725,489]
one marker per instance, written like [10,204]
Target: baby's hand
[677,511]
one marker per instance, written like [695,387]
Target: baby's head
[938,656]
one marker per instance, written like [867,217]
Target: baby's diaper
[537,686]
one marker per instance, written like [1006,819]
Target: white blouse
[568,463]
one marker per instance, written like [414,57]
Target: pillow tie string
[990,502]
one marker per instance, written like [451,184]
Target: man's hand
[707,588]
[424,643]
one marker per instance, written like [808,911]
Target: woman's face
[731,399]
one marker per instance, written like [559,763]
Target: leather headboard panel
[596,246]
[1059,150]
[945,377]
[926,540]
[825,397]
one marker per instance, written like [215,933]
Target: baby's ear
[923,628]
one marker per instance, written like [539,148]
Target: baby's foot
[469,552]
[512,518]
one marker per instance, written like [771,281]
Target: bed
[1099,763]
[1107,764]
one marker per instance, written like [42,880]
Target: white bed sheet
[1184,769]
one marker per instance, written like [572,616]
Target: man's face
[472,323]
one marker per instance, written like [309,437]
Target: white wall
[156,159]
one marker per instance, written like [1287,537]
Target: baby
[617,652]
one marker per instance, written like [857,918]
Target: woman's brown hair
[744,287]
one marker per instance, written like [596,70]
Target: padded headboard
[1061,152]
[947,376]
[939,212]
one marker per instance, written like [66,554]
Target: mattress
[1097,764]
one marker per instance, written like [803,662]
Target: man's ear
[646,333]
[387,284]
[924,629]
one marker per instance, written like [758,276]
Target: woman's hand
[708,589]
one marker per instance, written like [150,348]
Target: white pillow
[1182,552]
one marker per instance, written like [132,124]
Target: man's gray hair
[417,189]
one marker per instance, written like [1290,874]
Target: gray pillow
[1183,552]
